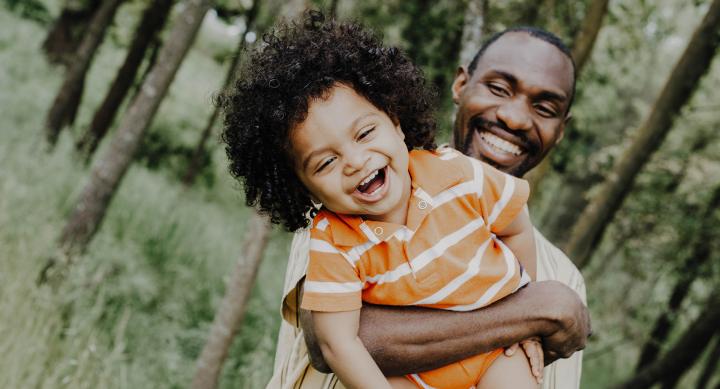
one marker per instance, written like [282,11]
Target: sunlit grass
[134,311]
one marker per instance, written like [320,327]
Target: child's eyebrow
[307,159]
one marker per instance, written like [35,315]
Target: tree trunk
[685,351]
[701,241]
[582,47]
[69,96]
[232,308]
[694,62]
[199,153]
[108,171]
[473,27]
[711,365]
[63,38]
[585,40]
[150,25]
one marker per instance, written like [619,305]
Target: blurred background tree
[136,303]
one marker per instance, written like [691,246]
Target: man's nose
[515,115]
[355,162]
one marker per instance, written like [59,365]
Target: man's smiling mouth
[499,144]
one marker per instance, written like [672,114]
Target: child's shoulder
[444,160]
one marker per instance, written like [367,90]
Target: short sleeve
[332,283]
[501,196]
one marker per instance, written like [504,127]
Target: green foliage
[29,9]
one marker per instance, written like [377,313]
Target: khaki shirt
[292,363]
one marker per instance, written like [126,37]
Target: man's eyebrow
[549,95]
[511,79]
[352,125]
[558,96]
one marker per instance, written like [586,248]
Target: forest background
[126,248]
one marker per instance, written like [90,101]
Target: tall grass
[134,311]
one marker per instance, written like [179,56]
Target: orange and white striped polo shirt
[446,256]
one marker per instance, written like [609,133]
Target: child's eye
[324,164]
[366,133]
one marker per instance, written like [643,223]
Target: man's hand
[572,320]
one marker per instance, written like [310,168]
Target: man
[513,103]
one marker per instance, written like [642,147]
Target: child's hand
[534,353]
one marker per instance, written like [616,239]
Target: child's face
[352,157]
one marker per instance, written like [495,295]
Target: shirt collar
[429,173]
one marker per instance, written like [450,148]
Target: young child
[323,113]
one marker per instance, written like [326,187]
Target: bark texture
[150,25]
[677,91]
[232,308]
[108,171]
[472,34]
[684,352]
[68,98]
[196,159]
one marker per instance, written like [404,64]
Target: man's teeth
[369,178]
[500,143]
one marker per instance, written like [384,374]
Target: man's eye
[324,164]
[545,111]
[366,133]
[498,90]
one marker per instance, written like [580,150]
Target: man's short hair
[534,32]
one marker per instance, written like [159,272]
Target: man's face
[512,110]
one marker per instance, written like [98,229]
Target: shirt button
[422,204]
[378,230]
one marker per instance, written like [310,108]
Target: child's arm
[519,236]
[344,352]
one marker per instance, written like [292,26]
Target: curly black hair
[298,62]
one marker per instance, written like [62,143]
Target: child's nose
[355,162]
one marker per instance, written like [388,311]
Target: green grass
[134,311]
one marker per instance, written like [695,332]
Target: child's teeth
[369,178]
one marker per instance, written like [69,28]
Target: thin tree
[683,354]
[68,98]
[691,269]
[473,27]
[199,153]
[108,170]
[150,25]
[63,37]
[677,91]
[711,365]
[582,48]
[231,311]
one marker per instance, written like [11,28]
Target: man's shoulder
[553,264]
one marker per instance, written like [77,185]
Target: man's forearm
[405,340]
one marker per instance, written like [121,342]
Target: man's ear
[461,79]
[565,122]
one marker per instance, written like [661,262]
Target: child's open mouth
[373,187]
